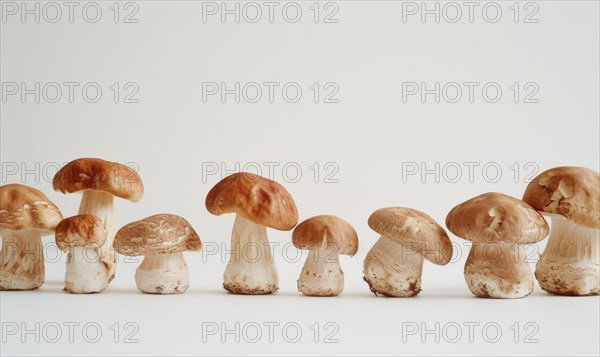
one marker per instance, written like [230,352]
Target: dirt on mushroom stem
[22,260]
[322,274]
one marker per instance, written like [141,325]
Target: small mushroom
[393,266]
[100,181]
[258,203]
[326,237]
[499,226]
[26,214]
[162,239]
[570,196]
[82,237]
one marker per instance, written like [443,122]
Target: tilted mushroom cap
[100,175]
[339,234]
[414,230]
[158,234]
[573,192]
[79,231]
[24,207]
[495,218]
[255,198]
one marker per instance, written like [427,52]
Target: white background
[371,137]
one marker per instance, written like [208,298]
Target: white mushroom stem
[22,260]
[498,270]
[163,274]
[393,270]
[570,263]
[100,204]
[86,272]
[250,269]
[322,274]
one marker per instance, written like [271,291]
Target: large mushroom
[258,203]
[326,237]
[499,227]
[570,196]
[100,181]
[82,237]
[162,239]
[26,214]
[394,264]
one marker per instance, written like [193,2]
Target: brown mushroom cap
[496,218]
[339,234]
[79,231]
[24,207]
[414,230]
[573,192]
[255,198]
[158,234]
[97,174]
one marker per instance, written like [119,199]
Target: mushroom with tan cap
[570,196]
[26,214]
[258,203]
[162,239]
[82,237]
[326,237]
[393,266]
[499,227]
[100,181]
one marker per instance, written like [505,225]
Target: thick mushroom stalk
[250,269]
[322,274]
[86,271]
[163,274]
[22,265]
[498,271]
[570,263]
[393,270]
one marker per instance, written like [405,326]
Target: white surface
[369,134]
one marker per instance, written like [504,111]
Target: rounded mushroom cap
[495,218]
[79,231]
[97,174]
[339,234]
[24,207]
[573,192]
[255,198]
[158,234]
[414,230]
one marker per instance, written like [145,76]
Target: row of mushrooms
[499,227]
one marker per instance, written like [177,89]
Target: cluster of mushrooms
[499,227]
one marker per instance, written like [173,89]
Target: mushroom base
[321,274]
[498,271]
[392,270]
[570,263]
[22,260]
[250,269]
[163,274]
[86,272]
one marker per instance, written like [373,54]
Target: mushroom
[326,237]
[570,196]
[26,214]
[100,180]
[258,203]
[394,264]
[162,239]
[499,226]
[82,237]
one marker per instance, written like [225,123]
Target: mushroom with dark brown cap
[570,196]
[162,239]
[258,203]
[100,181]
[326,237]
[82,237]
[394,264]
[499,227]
[26,214]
